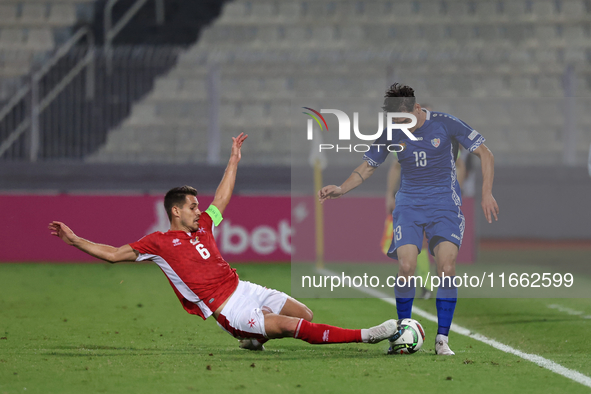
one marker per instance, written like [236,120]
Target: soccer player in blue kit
[428,200]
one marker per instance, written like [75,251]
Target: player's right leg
[405,287]
[252,313]
[407,241]
[294,320]
[424,270]
[278,326]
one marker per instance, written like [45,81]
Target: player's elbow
[111,259]
[489,157]
[367,170]
[484,154]
[487,151]
[116,257]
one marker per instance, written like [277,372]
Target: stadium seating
[27,33]
[271,53]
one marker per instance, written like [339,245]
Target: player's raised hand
[62,231]
[329,192]
[490,207]
[237,144]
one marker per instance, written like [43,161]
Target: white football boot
[251,344]
[441,346]
[384,331]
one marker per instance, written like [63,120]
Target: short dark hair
[176,197]
[399,98]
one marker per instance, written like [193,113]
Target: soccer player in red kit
[205,283]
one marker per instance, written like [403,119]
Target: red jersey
[200,277]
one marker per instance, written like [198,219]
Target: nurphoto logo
[345,130]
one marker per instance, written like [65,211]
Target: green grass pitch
[98,328]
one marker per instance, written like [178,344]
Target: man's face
[190,213]
[416,112]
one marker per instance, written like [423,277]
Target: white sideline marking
[534,358]
[570,311]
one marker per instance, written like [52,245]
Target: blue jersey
[428,175]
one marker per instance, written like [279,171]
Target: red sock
[323,333]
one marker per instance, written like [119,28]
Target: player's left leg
[445,232]
[447,294]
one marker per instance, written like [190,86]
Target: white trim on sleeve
[475,145]
[371,161]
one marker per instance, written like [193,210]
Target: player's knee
[304,312]
[406,268]
[405,272]
[447,267]
[308,314]
[295,308]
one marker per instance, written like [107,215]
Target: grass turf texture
[102,328]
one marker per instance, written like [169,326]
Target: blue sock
[447,297]
[405,295]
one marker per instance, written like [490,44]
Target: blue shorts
[438,224]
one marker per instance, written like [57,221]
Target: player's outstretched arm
[489,204]
[103,252]
[226,187]
[356,178]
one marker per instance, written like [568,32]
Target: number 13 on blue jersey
[420,158]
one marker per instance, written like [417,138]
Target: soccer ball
[408,339]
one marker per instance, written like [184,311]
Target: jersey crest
[435,142]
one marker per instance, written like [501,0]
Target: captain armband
[215,215]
